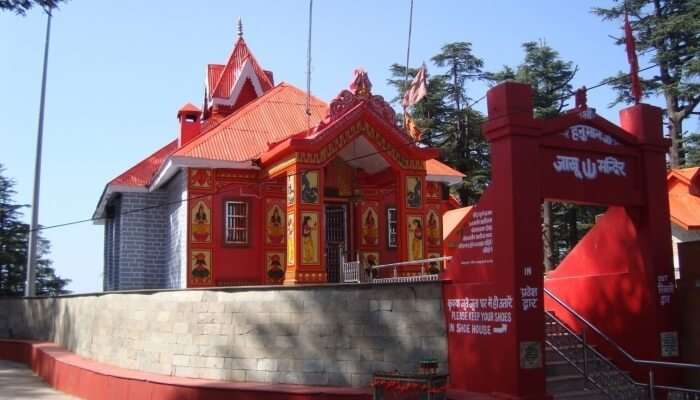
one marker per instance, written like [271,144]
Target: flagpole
[408,51]
[30,286]
[308,69]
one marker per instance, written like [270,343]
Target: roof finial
[240,28]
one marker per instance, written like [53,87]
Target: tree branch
[688,109]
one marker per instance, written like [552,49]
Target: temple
[262,187]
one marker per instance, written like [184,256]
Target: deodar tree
[668,31]
[13,250]
[446,118]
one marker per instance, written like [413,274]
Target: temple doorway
[336,238]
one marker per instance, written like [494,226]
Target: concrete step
[565,383]
[559,367]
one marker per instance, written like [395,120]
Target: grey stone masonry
[144,240]
[315,335]
[176,243]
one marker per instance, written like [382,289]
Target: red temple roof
[226,78]
[214,74]
[683,199]
[436,168]
[247,133]
[140,174]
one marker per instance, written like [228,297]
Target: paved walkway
[19,382]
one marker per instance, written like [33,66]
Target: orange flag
[411,128]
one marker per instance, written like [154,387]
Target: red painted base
[90,380]
[87,379]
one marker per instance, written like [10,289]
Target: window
[236,222]
[391,227]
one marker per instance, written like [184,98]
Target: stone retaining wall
[316,335]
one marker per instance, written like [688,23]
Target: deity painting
[200,267]
[413,192]
[434,267]
[309,238]
[370,227]
[290,239]
[434,234]
[200,178]
[200,222]
[274,226]
[291,194]
[275,268]
[415,237]
[309,187]
[433,190]
[369,260]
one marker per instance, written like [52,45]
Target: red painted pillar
[653,224]
[518,268]
[494,304]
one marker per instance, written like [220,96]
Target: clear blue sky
[119,71]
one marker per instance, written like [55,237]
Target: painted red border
[88,379]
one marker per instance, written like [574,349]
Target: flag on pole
[411,128]
[632,60]
[418,88]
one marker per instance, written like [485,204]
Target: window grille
[236,222]
[391,227]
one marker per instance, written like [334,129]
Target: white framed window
[236,231]
[391,227]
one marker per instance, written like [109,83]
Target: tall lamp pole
[30,286]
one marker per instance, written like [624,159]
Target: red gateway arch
[617,276]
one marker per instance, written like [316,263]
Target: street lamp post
[30,286]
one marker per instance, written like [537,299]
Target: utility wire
[408,143]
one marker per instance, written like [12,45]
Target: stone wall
[145,241]
[176,242]
[319,335]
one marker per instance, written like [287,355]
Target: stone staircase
[576,370]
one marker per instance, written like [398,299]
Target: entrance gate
[494,304]
[336,239]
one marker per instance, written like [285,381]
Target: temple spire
[240,28]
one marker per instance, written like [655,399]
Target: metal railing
[675,392]
[354,273]
[351,270]
[595,368]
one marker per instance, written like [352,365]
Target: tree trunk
[548,237]
[572,222]
[675,132]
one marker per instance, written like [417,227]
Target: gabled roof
[442,172]
[228,76]
[134,179]
[683,199]
[248,132]
[140,174]
[214,74]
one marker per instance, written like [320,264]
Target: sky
[120,70]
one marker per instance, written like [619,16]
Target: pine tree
[446,119]
[668,30]
[13,250]
[691,145]
[22,6]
